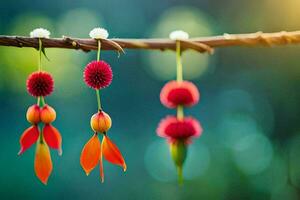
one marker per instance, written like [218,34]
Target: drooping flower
[93,151]
[183,93]
[40,84]
[98,74]
[175,129]
[49,136]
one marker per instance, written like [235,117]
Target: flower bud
[33,114]
[101,122]
[47,114]
[178,151]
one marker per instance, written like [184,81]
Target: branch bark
[201,44]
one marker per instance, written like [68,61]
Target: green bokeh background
[249,105]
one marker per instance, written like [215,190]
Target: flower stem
[99,50]
[180,112]
[98,100]
[178,62]
[179,76]
[180,175]
[98,91]
[40,55]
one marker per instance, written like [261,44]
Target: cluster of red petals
[183,93]
[93,152]
[40,84]
[98,74]
[179,129]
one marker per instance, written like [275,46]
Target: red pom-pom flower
[179,129]
[176,93]
[40,84]
[97,74]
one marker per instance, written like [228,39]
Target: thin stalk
[180,175]
[40,55]
[98,91]
[178,62]
[99,50]
[98,100]
[180,112]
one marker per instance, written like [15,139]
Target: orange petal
[28,138]
[90,154]
[101,165]
[112,153]
[52,137]
[42,162]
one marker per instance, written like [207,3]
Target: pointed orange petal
[42,162]
[112,153]
[101,165]
[52,137]
[90,154]
[28,138]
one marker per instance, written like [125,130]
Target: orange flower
[93,151]
[49,136]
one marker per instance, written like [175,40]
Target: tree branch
[201,44]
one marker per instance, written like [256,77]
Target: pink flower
[176,93]
[174,129]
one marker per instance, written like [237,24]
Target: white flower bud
[40,33]
[179,35]
[99,33]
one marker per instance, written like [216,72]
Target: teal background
[249,105]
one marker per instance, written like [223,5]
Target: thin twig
[201,44]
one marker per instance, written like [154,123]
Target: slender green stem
[40,55]
[178,62]
[180,112]
[98,100]
[98,91]
[180,175]
[99,50]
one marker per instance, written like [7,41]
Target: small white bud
[99,33]
[179,35]
[40,33]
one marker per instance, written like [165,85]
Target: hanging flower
[174,129]
[183,93]
[98,74]
[93,151]
[50,136]
[40,84]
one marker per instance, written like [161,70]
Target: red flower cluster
[176,93]
[173,129]
[40,84]
[98,74]
[172,95]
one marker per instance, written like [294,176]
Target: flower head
[179,35]
[40,84]
[98,74]
[40,33]
[99,33]
[176,93]
[174,129]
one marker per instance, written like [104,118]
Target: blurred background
[249,106]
